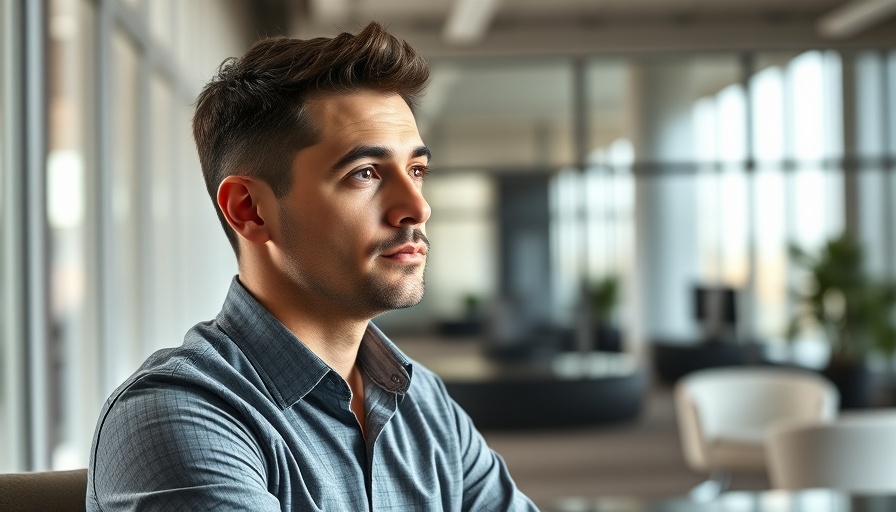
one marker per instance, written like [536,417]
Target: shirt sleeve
[160,447]
[487,483]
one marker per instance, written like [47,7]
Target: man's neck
[333,338]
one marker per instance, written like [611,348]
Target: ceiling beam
[609,39]
[855,17]
[469,20]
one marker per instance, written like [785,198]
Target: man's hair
[251,118]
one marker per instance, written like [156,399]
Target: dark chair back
[59,491]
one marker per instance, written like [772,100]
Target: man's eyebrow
[363,151]
[422,151]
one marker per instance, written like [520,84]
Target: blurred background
[622,189]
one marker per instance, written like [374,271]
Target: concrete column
[662,94]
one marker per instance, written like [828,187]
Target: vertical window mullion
[35,219]
[14,420]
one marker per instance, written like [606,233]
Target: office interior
[657,151]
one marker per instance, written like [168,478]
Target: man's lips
[407,252]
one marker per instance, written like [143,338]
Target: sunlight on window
[733,184]
[708,223]
[768,114]
[65,189]
[770,242]
[806,98]
[816,195]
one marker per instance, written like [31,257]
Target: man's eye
[419,171]
[365,174]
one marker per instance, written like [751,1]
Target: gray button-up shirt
[243,416]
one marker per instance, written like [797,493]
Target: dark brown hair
[251,119]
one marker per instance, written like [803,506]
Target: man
[291,399]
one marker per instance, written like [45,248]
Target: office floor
[640,459]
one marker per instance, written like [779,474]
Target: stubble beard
[376,293]
[383,296]
[408,291]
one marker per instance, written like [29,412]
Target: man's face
[351,227]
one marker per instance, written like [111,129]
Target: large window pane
[870,136]
[770,242]
[720,143]
[72,382]
[814,104]
[124,345]
[162,159]
[798,186]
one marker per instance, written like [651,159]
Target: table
[810,500]
[566,389]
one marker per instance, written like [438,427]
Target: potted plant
[470,324]
[854,312]
[604,299]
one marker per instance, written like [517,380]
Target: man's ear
[239,199]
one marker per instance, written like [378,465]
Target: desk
[811,500]
[566,389]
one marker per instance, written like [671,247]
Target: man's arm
[486,480]
[168,448]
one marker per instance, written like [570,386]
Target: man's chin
[409,303]
[386,298]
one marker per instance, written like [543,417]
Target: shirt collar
[383,363]
[289,369]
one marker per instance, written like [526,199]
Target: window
[72,346]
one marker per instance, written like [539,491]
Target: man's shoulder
[206,361]
[428,388]
[425,377]
[174,415]
[204,346]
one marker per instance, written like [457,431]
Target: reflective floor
[813,500]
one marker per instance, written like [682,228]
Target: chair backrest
[856,453]
[738,400]
[59,491]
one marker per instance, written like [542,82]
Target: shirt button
[396,379]
[330,384]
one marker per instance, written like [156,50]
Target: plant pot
[854,382]
[607,338]
[674,360]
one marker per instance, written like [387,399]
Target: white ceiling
[575,27]
[541,10]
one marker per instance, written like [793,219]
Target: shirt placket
[381,406]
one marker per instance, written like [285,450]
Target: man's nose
[406,205]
